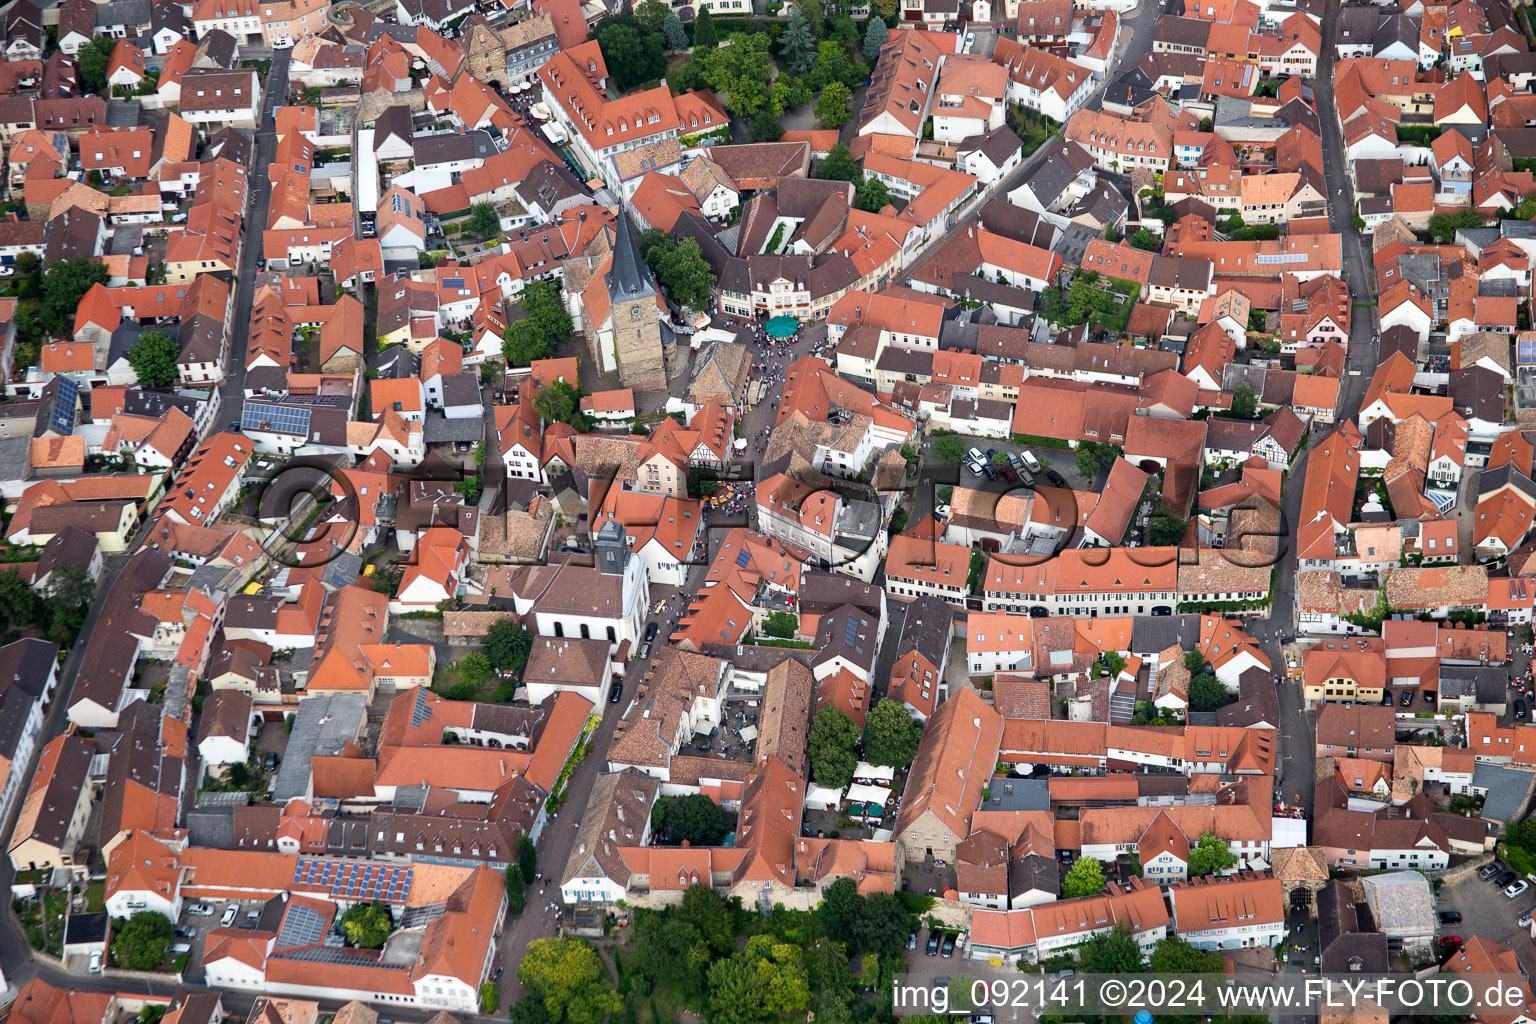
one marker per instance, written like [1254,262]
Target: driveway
[1486,911]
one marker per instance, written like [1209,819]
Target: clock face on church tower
[634,313]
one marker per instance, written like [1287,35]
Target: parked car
[949,947]
[1009,475]
[990,472]
[1515,889]
[650,631]
[645,650]
[942,511]
[932,948]
[253,915]
[95,967]
[976,456]
[912,941]
[1488,871]
[1026,477]
[200,910]
[178,948]
[271,761]
[975,468]
[1504,878]
[1407,698]
[229,915]
[1519,708]
[1055,478]
[1030,460]
[185,932]
[1450,917]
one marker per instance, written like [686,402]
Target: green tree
[70,590]
[1206,694]
[138,943]
[873,195]
[1143,239]
[891,735]
[781,624]
[1207,124]
[1210,855]
[490,995]
[1175,956]
[1194,661]
[1166,528]
[780,966]
[712,915]
[702,482]
[1245,403]
[834,65]
[789,91]
[1115,952]
[632,55]
[483,220]
[153,358]
[840,910]
[508,645]
[471,486]
[517,888]
[475,669]
[1085,878]
[528,1010]
[765,128]
[680,268]
[737,993]
[875,35]
[797,46]
[527,855]
[833,110]
[64,284]
[92,61]
[1113,662]
[839,165]
[673,34]
[669,949]
[704,31]
[694,819]
[742,72]
[558,402]
[570,979]
[842,30]
[832,738]
[949,448]
[652,15]
[1443,226]
[1521,834]
[367,925]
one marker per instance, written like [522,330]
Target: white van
[976,456]
[1030,460]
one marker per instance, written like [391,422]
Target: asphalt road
[15,954]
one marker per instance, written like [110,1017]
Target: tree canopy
[797,46]
[872,195]
[139,943]
[64,284]
[875,35]
[558,402]
[546,325]
[1245,403]
[1211,854]
[680,268]
[694,819]
[704,36]
[891,735]
[832,739]
[839,165]
[570,979]
[483,220]
[833,106]
[673,34]
[1115,952]
[1173,955]
[153,358]
[508,645]
[1085,878]
[93,60]
[367,925]
[634,55]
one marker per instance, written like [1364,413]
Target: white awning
[749,733]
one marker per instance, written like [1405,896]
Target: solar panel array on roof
[850,632]
[355,880]
[742,558]
[419,711]
[63,418]
[342,957]
[302,926]
[1525,349]
[284,419]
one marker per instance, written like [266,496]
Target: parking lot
[193,929]
[1486,911]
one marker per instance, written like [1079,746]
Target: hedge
[1042,442]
